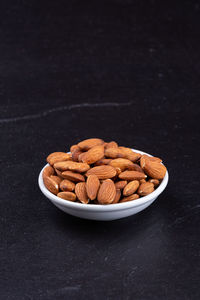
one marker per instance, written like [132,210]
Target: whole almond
[131,188]
[156,182]
[145,158]
[129,198]
[113,153]
[67,196]
[67,185]
[89,143]
[130,154]
[142,181]
[136,167]
[74,147]
[102,172]
[107,192]
[58,156]
[72,166]
[146,188]
[92,186]
[103,161]
[75,154]
[154,170]
[93,155]
[48,171]
[80,190]
[117,196]
[76,177]
[121,163]
[111,145]
[51,185]
[132,175]
[57,179]
[120,184]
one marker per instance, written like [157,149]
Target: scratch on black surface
[63,108]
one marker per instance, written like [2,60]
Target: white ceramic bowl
[103,212]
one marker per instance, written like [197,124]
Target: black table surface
[121,70]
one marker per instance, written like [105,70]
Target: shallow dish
[104,212]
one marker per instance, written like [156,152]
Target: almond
[117,196]
[131,188]
[56,179]
[107,192]
[51,185]
[89,143]
[103,161]
[72,166]
[58,156]
[154,170]
[132,175]
[75,154]
[59,173]
[136,167]
[111,145]
[145,157]
[76,177]
[118,171]
[81,156]
[120,184]
[113,153]
[156,182]
[121,163]
[74,147]
[102,172]
[146,188]
[80,190]
[142,181]
[129,198]
[67,185]
[92,186]
[130,154]
[48,171]
[93,155]
[67,196]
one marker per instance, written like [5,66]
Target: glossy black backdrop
[121,70]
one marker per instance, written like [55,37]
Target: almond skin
[117,196]
[146,188]
[67,185]
[72,166]
[129,198]
[76,177]
[103,161]
[113,153]
[102,172]
[156,182]
[74,147]
[67,196]
[145,157]
[92,186]
[58,156]
[56,179]
[120,184]
[121,163]
[142,181]
[136,167]
[59,173]
[131,188]
[51,185]
[75,154]
[94,154]
[107,192]
[111,145]
[48,171]
[154,170]
[132,175]
[130,154]
[89,143]
[80,190]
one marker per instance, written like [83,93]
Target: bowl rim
[103,207]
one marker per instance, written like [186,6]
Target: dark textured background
[120,70]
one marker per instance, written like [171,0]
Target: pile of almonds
[97,172]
